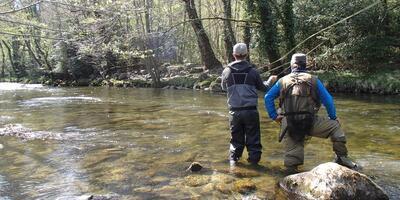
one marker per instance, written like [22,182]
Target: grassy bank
[383,82]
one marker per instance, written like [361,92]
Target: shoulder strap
[314,91]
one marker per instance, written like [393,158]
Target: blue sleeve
[326,100]
[269,98]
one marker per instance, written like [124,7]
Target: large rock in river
[331,181]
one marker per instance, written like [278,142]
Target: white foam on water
[394,128]
[18,130]
[4,118]
[59,100]
[18,86]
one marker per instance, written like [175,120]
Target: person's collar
[237,61]
[298,70]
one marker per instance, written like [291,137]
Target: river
[62,143]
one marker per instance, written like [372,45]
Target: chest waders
[244,122]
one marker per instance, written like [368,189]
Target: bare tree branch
[29,24]
[212,18]
[29,35]
[23,8]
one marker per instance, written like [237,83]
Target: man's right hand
[272,79]
[279,119]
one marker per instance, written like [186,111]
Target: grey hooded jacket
[241,80]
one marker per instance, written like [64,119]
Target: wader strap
[244,108]
[297,113]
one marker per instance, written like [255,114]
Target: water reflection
[139,142]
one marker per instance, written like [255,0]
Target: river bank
[192,76]
[383,82]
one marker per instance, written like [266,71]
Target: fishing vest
[299,102]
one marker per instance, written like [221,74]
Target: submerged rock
[97,197]
[195,167]
[331,181]
[244,186]
[197,180]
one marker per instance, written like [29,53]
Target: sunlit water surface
[137,144]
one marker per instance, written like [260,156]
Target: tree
[229,36]
[268,34]
[249,9]
[207,54]
[288,26]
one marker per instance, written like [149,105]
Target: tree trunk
[200,13]
[44,55]
[386,17]
[268,34]
[207,53]
[288,26]
[31,53]
[182,48]
[20,70]
[229,36]
[147,15]
[247,27]
[3,65]
[150,60]
[13,67]
[61,48]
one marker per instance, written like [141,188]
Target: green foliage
[363,42]
[267,33]
[383,82]
[184,81]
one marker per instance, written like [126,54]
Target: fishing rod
[280,73]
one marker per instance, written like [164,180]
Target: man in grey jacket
[241,81]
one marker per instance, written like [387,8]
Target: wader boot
[345,161]
[289,170]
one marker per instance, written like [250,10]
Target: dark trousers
[245,132]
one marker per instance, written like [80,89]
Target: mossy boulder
[180,81]
[331,181]
[215,86]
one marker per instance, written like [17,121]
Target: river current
[62,143]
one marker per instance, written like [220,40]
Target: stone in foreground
[195,167]
[331,181]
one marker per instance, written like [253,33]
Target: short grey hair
[240,49]
[299,60]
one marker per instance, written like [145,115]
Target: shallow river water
[62,143]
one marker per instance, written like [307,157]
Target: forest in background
[48,41]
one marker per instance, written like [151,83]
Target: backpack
[299,102]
